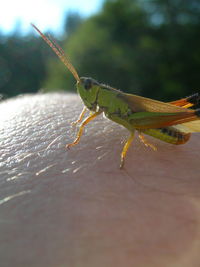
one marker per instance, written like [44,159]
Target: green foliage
[22,65]
[151,48]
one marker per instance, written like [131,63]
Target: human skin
[75,207]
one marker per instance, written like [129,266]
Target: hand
[76,207]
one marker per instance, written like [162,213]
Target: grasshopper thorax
[88,89]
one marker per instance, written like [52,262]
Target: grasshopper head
[88,89]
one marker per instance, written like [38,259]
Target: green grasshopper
[171,122]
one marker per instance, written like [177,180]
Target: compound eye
[87,84]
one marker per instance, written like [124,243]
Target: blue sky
[46,14]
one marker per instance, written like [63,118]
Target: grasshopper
[171,122]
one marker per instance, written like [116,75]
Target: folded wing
[149,113]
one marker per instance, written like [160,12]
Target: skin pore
[74,207]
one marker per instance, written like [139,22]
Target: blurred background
[146,47]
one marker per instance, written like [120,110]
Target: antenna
[59,52]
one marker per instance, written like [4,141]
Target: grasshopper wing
[192,126]
[141,104]
[187,101]
[189,127]
[149,113]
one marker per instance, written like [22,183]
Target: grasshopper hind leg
[145,142]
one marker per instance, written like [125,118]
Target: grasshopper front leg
[80,132]
[80,118]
